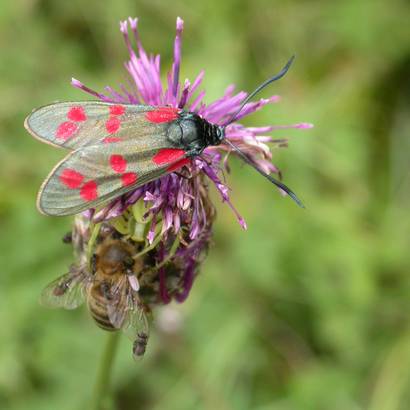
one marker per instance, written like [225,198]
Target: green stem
[101,389]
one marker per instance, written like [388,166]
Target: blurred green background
[307,309]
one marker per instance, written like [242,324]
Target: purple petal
[78,84]
[177,57]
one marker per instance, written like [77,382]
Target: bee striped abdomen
[97,305]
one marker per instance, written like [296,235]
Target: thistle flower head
[165,226]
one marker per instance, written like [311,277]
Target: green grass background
[305,310]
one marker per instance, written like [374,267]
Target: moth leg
[207,161]
[194,152]
[180,175]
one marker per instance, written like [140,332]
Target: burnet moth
[116,148]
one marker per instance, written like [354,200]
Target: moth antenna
[260,88]
[267,176]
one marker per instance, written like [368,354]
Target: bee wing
[117,303]
[73,125]
[68,291]
[95,174]
[136,323]
[125,310]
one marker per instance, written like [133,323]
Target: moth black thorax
[193,134]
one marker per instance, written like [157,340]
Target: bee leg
[106,290]
[93,263]
[140,344]
[116,235]
[133,281]
[68,238]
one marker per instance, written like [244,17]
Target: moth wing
[73,125]
[68,291]
[93,175]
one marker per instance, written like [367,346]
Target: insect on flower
[116,148]
[140,161]
[110,287]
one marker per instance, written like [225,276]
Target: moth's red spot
[109,140]
[179,164]
[163,114]
[129,178]
[72,179]
[76,114]
[66,130]
[118,163]
[112,125]
[89,191]
[167,155]
[117,109]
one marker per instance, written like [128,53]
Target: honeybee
[110,288]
